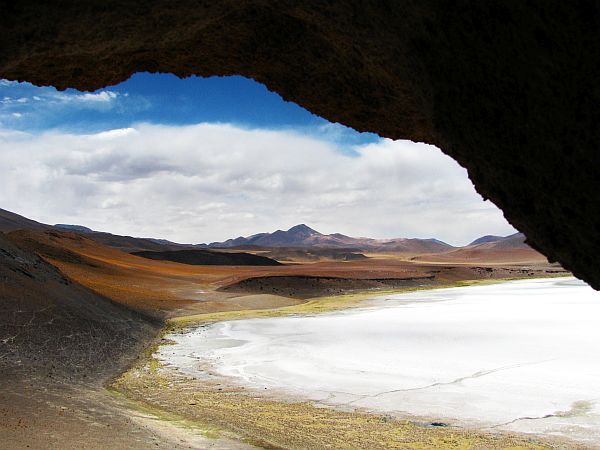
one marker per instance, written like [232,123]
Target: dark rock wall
[507,88]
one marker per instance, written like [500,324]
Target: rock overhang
[508,89]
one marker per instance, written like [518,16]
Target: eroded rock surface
[508,89]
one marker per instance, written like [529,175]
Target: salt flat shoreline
[212,405]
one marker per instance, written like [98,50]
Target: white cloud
[103,96]
[48,103]
[66,97]
[100,99]
[214,181]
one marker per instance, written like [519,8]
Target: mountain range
[304,236]
[299,236]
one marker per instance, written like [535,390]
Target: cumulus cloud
[214,181]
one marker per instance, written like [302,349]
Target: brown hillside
[511,249]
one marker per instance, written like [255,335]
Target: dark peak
[302,229]
[488,239]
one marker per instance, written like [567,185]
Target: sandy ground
[58,415]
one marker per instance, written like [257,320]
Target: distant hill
[127,244]
[304,236]
[486,239]
[516,240]
[79,228]
[132,244]
[10,221]
[209,258]
[490,249]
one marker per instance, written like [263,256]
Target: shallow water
[521,355]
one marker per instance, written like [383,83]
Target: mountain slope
[127,244]
[485,239]
[76,228]
[132,244]
[516,240]
[10,221]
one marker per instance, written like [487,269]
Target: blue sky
[164,99]
[201,160]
